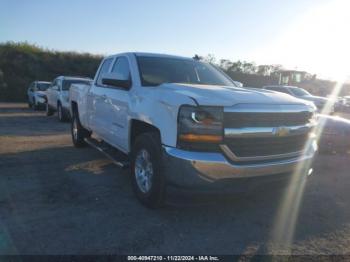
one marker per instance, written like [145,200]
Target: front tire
[79,133]
[62,117]
[146,167]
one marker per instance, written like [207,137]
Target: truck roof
[43,82]
[74,78]
[152,55]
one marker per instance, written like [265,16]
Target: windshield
[67,83]
[299,91]
[42,86]
[158,70]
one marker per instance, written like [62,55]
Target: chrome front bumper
[192,169]
[187,168]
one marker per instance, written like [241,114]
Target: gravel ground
[55,199]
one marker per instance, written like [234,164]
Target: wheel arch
[73,107]
[138,127]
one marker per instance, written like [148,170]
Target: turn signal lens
[200,138]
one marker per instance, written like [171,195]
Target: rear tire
[49,111]
[79,133]
[146,167]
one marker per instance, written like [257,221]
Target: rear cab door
[96,96]
[52,94]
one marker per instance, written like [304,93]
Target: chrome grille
[255,132]
[256,119]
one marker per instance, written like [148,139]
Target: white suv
[37,94]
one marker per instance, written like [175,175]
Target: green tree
[22,63]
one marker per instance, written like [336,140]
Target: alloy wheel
[143,171]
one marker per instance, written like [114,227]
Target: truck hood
[229,95]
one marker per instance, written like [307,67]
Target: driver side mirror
[116,80]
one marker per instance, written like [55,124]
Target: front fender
[159,109]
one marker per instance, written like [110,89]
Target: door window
[121,67]
[54,85]
[104,69]
[59,84]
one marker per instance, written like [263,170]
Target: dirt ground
[56,199]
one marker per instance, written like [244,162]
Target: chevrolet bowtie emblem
[281,131]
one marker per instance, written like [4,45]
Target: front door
[117,105]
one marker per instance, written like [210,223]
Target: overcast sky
[308,35]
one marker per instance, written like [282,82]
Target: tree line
[253,75]
[245,67]
[22,63]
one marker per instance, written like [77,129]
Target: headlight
[199,125]
[314,118]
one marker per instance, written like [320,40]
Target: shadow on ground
[65,200]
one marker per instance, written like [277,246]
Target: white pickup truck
[179,121]
[58,95]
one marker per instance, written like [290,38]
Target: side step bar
[117,157]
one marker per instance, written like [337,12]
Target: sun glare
[317,42]
[288,211]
